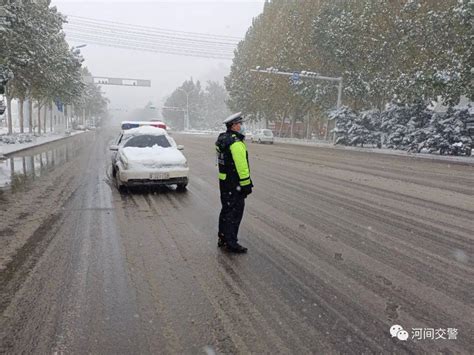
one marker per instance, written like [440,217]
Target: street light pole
[306,74]
[339,94]
[186,123]
[310,75]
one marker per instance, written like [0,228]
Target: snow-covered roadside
[197,132]
[325,144]
[6,149]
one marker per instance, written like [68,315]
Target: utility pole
[171,108]
[187,109]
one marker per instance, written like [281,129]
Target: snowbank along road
[342,246]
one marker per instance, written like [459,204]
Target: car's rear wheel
[259,141]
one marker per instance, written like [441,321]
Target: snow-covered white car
[262,136]
[148,156]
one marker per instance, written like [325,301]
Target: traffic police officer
[234,182]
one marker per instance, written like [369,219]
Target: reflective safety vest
[232,159]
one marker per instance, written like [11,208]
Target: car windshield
[148,141]
[267,133]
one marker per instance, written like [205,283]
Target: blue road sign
[59,105]
[295,77]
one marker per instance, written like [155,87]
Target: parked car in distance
[147,155]
[262,136]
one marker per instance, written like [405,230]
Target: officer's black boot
[236,248]
[221,240]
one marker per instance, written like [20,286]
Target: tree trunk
[51,116]
[30,115]
[44,117]
[293,119]
[326,135]
[281,125]
[39,117]
[308,121]
[21,115]
[65,117]
[9,111]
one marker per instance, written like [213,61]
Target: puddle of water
[24,167]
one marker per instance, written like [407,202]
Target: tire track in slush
[355,336]
[263,297]
[159,329]
[224,304]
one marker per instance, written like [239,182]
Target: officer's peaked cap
[235,118]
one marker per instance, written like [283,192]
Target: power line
[195,50]
[139,32]
[118,44]
[151,40]
[148,45]
[155,29]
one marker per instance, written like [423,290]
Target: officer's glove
[246,190]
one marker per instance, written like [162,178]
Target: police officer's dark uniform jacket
[234,183]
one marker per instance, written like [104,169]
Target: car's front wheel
[120,186]
[181,187]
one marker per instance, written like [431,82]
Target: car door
[117,142]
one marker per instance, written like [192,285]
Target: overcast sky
[223,17]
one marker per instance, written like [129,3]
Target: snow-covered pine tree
[344,118]
[394,124]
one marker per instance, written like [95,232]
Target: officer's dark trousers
[233,204]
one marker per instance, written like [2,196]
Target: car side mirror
[114,148]
[180,147]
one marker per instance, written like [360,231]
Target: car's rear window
[148,141]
